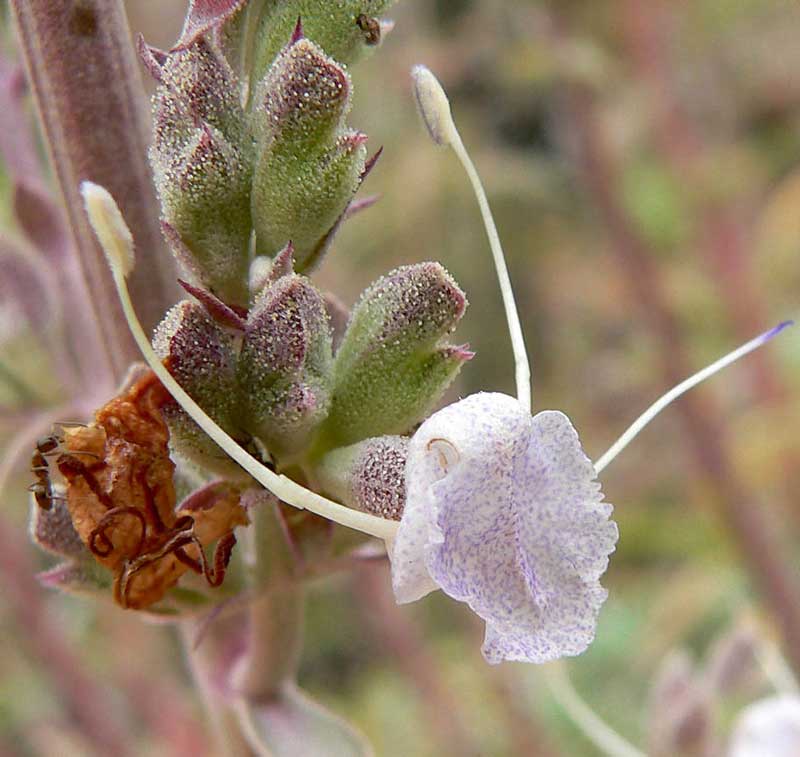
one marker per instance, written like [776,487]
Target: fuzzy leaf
[294,724]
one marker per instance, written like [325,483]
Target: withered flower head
[121,499]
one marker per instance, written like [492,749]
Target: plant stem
[88,91]
[210,663]
[275,641]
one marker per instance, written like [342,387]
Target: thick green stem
[275,632]
[94,114]
[275,640]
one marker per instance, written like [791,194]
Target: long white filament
[117,243]
[680,389]
[435,110]
[605,738]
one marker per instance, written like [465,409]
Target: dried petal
[121,499]
[503,513]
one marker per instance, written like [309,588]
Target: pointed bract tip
[462,352]
[216,308]
[152,58]
[370,164]
[433,105]
[298,33]
[109,226]
[283,263]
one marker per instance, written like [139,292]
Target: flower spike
[117,242]
[682,388]
[434,108]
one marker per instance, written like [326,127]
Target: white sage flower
[503,512]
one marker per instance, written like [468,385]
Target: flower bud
[309,165]
[345,29]
[202,166]
[52,530]
[83,578]
[369,475]
[284,368]
[196,86]
[391,367]
[200,356]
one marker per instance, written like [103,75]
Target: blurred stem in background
[404,642]
[722,238]
[762,550]
[94,112]
[87,702]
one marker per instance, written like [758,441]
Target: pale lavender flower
[503,512]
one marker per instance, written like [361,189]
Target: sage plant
[267,428]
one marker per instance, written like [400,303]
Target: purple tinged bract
[503,512]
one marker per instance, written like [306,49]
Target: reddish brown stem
[85,701]
[721,236]
[87,86]
[763,552]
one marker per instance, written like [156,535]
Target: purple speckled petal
[503,513]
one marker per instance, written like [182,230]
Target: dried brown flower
[121,499]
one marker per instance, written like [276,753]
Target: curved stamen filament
[682,388]
[435,110]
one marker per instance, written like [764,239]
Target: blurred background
[641,158]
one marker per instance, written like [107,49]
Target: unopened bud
[733,667]
[284,367]
[392,367]
[369,475]
[197,85]
[202,167]
[346,29]
[309,165]
[200,356]
[680,713]
[205,199]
